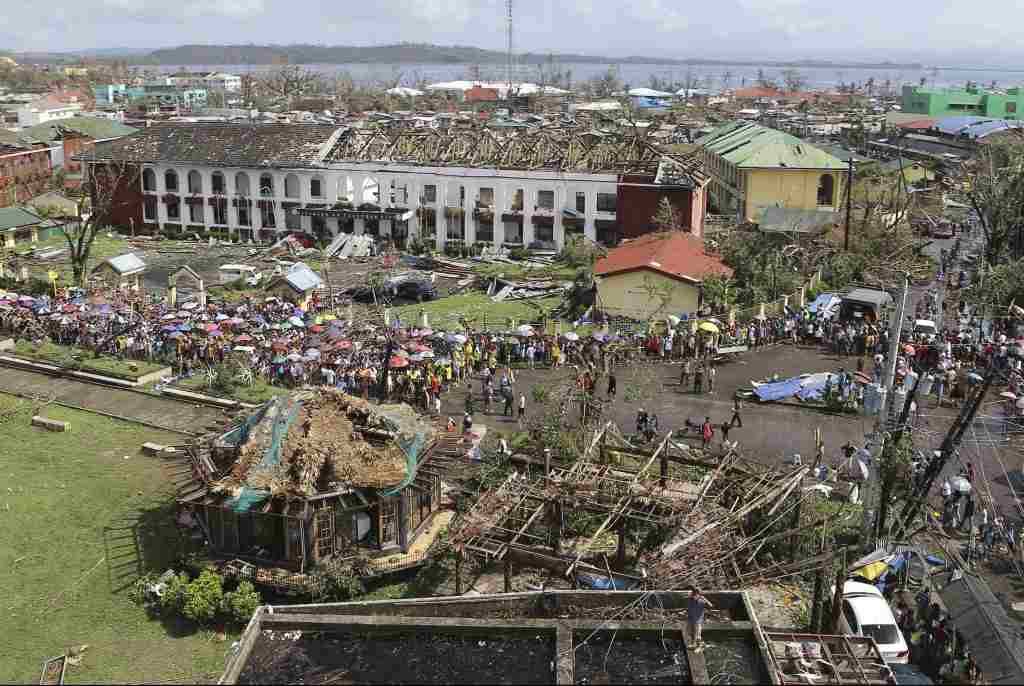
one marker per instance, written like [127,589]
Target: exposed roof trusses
[546,149]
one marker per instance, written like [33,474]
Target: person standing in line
[698,379]
[684,373]
[737,405]
[712,373]
[522,407]
[695,607]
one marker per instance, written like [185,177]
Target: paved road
[770,433]
[164,412]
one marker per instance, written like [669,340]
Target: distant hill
[424,53]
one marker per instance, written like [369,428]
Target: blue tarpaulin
[778,390]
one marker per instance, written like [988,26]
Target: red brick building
[24,169]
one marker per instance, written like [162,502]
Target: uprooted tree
[103,194]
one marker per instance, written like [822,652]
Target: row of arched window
[194,181]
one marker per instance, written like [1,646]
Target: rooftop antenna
[508,45]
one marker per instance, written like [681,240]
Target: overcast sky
[943,32]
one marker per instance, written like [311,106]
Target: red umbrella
[243,339]
[397,362]
[316,328]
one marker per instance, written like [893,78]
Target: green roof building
[942,102]
[754,167]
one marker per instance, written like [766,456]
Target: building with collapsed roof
[313,478]
[517,188]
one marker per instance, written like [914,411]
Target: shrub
[518,254]
[173,599]
[203,598]
[341,582]
[241,603]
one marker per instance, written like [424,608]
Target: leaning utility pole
[950,445]
[877,438]
[849,202]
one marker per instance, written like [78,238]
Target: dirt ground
[400,657]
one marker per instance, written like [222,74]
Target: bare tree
[291,80]
[105,185]
[667,218]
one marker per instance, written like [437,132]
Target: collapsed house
[312,478]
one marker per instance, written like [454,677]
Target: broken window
[606,202]
[174,211]
[546,200]
[1011,108]
[826,190]
[195,182]
[148,180]
[196,215]
[149,209]
[517,200]
[268,218]
[217,182]
[514,233]
[486,197]
[171,180]
[266,184]
[243,215]
[389,522]
[220,213]
[292,220]
[291,186]
[242,183]
[581,202]
[429,193]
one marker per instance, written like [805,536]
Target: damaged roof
[752,146]
[555,149]
[237,145]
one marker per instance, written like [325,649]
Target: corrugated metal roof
[128,263]
[868,295]
[752,146]
[993,638]
[13,217]
[783,219]
[302,278]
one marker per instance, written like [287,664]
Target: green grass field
[64,495]
[259,392]
[64,356]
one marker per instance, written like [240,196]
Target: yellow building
[754,167]
[655,276]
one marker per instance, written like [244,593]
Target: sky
[935,32]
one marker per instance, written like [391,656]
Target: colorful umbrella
[572,336]
[343,345]
[397,362]
[295,321]
[279,359]
[243,339]
[316,328]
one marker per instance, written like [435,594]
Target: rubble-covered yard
[399,657]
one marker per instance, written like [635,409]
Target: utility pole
[849,203]
[877,438]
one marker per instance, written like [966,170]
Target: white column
[589,227]
[385,227]
[529,199]
[358,226]
[500,206]
[441,221]
[413,186]
[472,194]
[558,232]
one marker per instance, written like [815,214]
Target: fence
[776,308]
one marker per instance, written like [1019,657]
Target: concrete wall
[790,188]
[627,294]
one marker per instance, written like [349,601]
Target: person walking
[522,407]
[695,607]
[737,405]
[612,384]
[712,373]
[726,426]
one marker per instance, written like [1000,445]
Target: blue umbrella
[176,334]
[169,328]
[184,327]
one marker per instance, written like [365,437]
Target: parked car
[867,613]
